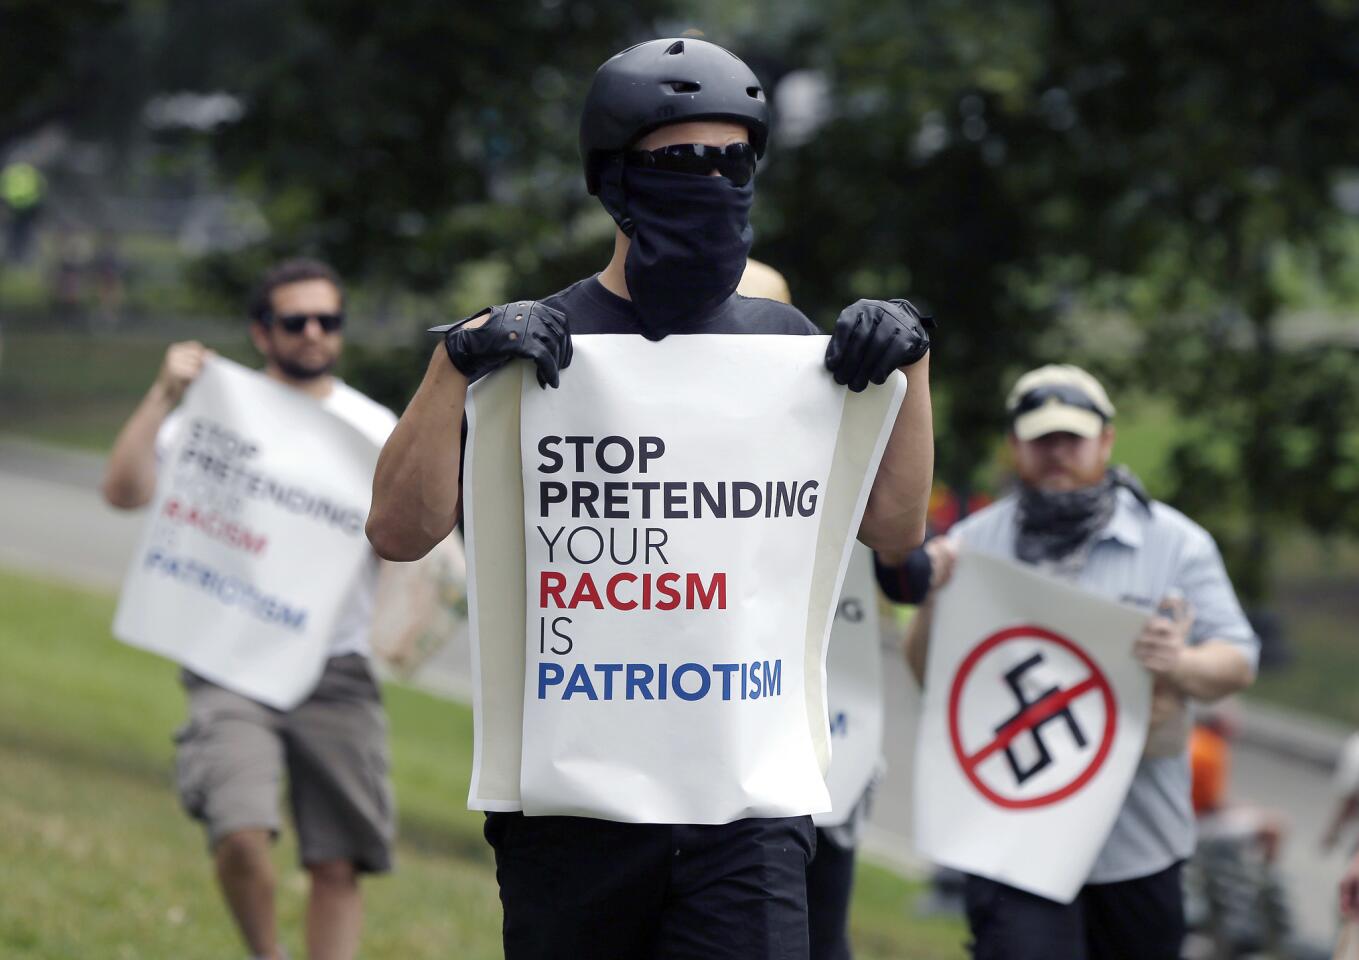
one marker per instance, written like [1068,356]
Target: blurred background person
[1077,519]
[1345,784]
[232,753]
[1235,901]
[22,191]
[1349,894]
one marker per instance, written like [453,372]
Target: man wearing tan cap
[1075,518]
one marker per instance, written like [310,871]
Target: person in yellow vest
[22,191]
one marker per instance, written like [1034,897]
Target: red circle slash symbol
[1031,717]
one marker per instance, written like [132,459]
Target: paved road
[52,522]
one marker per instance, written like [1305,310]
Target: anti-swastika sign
[1034,720]
[1053,734]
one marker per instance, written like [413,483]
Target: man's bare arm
[130,474]
[1342,814]
[1212,670]
[415,487]
[417,482]
[894,520]
[1349,891]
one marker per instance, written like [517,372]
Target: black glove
[874,337]
[525,328]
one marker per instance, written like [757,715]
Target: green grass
[96,860]
[1322,681]
[1316,597]
[76,388]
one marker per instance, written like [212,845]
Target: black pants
[1140,919]
[575,888]
[830,881]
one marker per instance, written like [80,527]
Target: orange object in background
[946,507]
[1210,768]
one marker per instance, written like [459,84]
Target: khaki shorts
[231,756]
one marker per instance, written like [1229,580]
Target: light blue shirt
[1138,558]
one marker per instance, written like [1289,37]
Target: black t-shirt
[590,308]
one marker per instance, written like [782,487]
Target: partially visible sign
[854,690]
[1033,725]
[421,609]
[255,531]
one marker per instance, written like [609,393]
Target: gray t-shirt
[1138,558]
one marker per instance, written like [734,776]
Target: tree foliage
[49,60]
[1008,163]
[1208,155]
[403,140]
[1012,166]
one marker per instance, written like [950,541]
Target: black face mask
[1053,525]
[690,239]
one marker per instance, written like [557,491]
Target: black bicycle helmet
[667,81]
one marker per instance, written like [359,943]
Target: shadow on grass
[80,754]
[442,839]
[430,836]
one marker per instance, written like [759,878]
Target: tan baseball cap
[763,281]
[1058,398]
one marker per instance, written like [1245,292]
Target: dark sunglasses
[297,322]
[735,161]
[1067,395]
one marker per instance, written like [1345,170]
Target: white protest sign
[420,610]
[854,690]
[254,539]
[685,511]
[1033,722]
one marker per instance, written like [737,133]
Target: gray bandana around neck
[1053,526]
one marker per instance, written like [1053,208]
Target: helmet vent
[755,93]
[684,86]
[676,47]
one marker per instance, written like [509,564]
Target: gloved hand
[874,337]
[526,328]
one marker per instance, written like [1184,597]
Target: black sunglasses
[1067,395]
[297,322]
[735,161]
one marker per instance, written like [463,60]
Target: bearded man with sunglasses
[232,753]
[670,137]
[1076,518]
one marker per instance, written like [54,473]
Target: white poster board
[1034,718]
[255,531]
[854,690]
[420,610]
[685,511]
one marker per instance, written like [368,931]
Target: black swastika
[1044,760]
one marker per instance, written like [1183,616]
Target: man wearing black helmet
[671,134]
